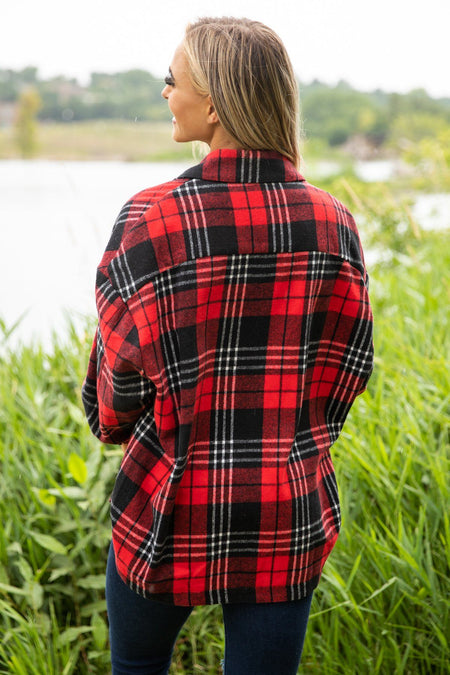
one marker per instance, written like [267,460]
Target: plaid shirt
[234,334]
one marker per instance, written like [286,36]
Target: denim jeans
[260,639]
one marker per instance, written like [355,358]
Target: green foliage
[338,113]
[415,127]
[132,95]
[54,529]
[25,126]
[382,605]
[418,102]
[430,159]
[13,82]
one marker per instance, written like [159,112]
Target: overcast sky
[395,45]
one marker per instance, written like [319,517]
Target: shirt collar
[244,166]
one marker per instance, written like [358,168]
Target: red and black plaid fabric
[234,334]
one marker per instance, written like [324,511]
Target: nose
[165,92]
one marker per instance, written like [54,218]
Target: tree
[26,125]
[337,113]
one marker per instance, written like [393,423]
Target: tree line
[333,114]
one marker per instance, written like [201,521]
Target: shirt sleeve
[116,391]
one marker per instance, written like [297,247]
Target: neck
[222,140]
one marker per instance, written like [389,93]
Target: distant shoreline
[123,140]
[100,140]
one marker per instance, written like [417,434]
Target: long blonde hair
[244,67]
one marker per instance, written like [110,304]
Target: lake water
[55,220]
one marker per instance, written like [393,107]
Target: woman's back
[247,300]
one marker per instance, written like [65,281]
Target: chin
[178,138]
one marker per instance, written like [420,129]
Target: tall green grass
[54,507]
[382,606]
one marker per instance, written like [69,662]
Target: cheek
[176,105]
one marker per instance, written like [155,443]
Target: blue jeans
[260,639]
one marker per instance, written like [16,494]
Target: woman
[234,334]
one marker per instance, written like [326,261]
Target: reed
[382,606]
[383,603]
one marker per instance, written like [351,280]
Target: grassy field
[383,603]
[110,139]
[101,140]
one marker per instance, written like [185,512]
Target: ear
[212,116]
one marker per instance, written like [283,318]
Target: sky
[394,45]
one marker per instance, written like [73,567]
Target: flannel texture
[234,334]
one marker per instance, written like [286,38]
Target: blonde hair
[244,67]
